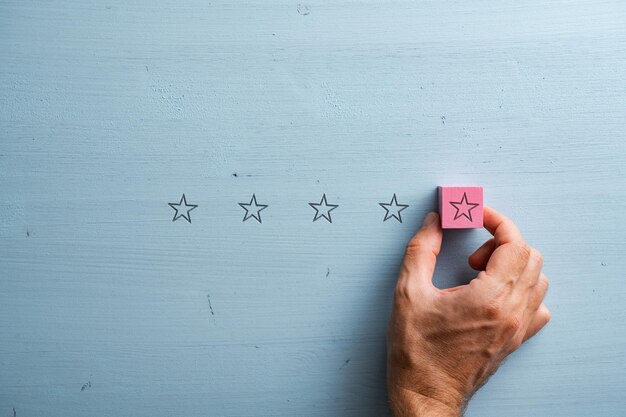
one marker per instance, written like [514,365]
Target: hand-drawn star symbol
[393,209]
[463,208]
[182,209]
[325,211]
[253,209]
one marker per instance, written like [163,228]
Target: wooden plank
[110,111]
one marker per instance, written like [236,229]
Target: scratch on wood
[303,9]
[86,385]
[208,297]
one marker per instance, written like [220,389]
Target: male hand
[442,345]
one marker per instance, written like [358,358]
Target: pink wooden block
[461,207]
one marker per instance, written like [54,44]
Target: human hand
[442,345]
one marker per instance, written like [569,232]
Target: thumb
[422,250]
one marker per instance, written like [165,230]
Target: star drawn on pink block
[463,208]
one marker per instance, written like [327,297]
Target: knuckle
[546,315]
[415,245]
[543,284]
[509,281]
[536,256]
[512,325]
[525,251]
[538,291]
[402,294]
[534,299]
[517,340]
[481,278]
[493,310]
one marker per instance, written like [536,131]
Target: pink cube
[461,207]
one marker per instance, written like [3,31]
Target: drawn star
[253,209]
[323,209]
[182,209]
[393,209]
[463,208]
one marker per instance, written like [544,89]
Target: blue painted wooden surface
[111,110]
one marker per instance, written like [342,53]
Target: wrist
[407,403]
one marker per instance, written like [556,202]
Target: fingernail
[430,219]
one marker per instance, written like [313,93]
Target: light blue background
[110,110]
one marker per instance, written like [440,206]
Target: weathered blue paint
[111,110]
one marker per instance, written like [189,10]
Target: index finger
[501,227]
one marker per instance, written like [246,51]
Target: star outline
[466,203]
[317,210]
[393,202]
[247,215]
[179,211]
